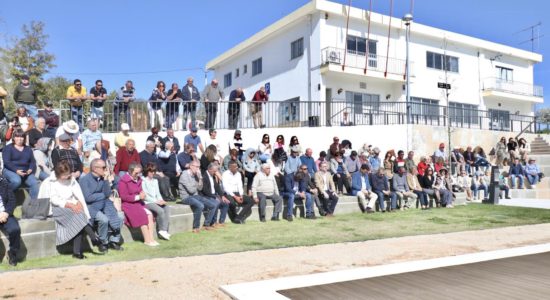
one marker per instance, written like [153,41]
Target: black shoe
[289,218]
[262,219]
[275,218]
[95,241]
[102,248]
[12,259]
[311,217]
[115,246]
[79,256]
[361,206]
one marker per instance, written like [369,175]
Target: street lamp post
[408,19]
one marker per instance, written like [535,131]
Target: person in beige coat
[327,190]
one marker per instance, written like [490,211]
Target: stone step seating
[542,190]
[539,146]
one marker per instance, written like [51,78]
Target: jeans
[408,196]
[31,110]
[211,112]
[290,203]
[119,107]
[97,113]
[533,179]
[223,208]
[513,179]
[108,219]
[162,215]
[77,114]
[506,191]
[15,182]
[277,202]
[446,197]
[423,197]
[172,111]
[13,231]
[381,201]
[198,204]
[189,109]
[476,188]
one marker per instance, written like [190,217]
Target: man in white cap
[123,135]
[71,129]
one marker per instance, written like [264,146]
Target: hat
[70,127]
[25,77]
[194,129]
[237,131]
[48,103]
[376,150]
[64,137]
[124,126]
[441,145]
[211,130]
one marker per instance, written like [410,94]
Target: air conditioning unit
[333,57]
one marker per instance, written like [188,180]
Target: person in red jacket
[125,156]
[260,97]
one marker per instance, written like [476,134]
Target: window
[427,108]
[505,74]
[363,103]
[245,69]
[463,113]
[441,62]
[257,67]
[358,46]
[237,73]
[227,80]
[289,111]
[297,48]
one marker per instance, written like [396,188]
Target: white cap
[125,126]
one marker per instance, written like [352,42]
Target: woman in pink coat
[131,195]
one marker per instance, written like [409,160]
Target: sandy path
[199,277]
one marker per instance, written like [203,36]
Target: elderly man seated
[402,191]
[190,183]
[96,191]
[265,187]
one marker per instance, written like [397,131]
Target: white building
[309,61]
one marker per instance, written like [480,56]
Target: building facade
[314,66]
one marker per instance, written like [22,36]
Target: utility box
[494,187]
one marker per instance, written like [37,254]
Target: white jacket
[61,193]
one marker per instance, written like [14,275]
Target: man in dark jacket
[212,188]
[8,223]
[96,193]
[296,186]
[190,96]
[381,187]
[234,109]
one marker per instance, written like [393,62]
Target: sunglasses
[303,169]
[78,84]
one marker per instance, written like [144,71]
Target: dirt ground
[199,277]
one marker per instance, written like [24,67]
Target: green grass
[343,228]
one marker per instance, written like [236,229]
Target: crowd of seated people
[93,192]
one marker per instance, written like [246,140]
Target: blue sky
[101,38]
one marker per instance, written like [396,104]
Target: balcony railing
[514,87]
[296,113]
[357,60]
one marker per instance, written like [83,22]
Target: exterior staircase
[540,146]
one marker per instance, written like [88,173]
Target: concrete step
[531,194]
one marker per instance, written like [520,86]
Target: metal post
[408,68]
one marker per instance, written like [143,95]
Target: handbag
[280,153]
[115,197]
[36,208]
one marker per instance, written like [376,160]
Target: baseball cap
[64,137]
[211,130]
[48,103]
[25,77]
[124,126]
[194,129]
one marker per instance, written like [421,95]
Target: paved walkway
[200,277]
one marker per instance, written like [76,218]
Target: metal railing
[514,87]
[296,113]
[354,59]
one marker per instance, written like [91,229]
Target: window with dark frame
[441,62]
[257,66]
[227,80]
[237,73]
[245,69]
[463,113]
[297,48]
[505,74]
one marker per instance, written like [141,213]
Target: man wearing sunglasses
[98,94]
[96,191]
[76,94]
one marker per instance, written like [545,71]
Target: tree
[544,114]
[28,56]
[55,89]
